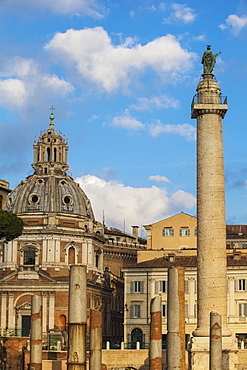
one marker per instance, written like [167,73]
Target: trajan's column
[209,108]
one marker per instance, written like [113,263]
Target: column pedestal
[198,349]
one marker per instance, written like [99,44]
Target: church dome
[50,189]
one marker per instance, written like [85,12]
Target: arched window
[62,322]
[55,154]
[71,256]
[48,154]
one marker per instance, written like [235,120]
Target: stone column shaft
[11,316]
[155,349]
[95,362]
[44,311]
[175,319]
[51,310]
[211,228]
[215,358]
[36,334]
[77,318]
[3,311]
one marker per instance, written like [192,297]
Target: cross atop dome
[52,117]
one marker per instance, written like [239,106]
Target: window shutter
[157,287]
[236,282]
[132,287]
[240,309]
[131,311]
[141,286]
[245,284]
[186,286]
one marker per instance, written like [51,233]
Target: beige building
[172,233]
[148,278]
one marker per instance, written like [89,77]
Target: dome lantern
[50,152]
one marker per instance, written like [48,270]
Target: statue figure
[209,60]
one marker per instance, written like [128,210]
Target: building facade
[148,278]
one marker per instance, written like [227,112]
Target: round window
[34,198]
[67,200]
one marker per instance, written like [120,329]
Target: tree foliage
[11,226]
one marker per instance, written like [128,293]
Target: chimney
[135,233]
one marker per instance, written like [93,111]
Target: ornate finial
[52,116]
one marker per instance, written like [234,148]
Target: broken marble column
[77,318]
[95,361]
[175,319]
[155,349]
[215,357]
[36,334]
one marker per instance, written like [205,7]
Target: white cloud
[12,93]
[180,13]
[21,82]
[111,66]
[128,122]
[135,206]
[235,23]
[185,130]
[159,178]
[183,199]
[92,8]
[159,102]
[199,38]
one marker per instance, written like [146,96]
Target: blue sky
[121,76]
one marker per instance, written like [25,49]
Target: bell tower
[50,152]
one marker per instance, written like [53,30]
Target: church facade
[60,230]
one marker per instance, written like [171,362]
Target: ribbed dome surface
[49,194]
[50,189]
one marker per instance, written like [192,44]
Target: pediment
[24,306]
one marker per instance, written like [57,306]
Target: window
[184,232]
[164,310]
[195,232]
[161,286]
[241,285]
[242,309]
[186,286]
[135,311]
[168,232]
[29,257]
[244,246]
[118,238]
[136,286]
